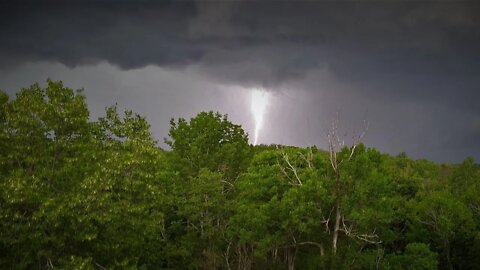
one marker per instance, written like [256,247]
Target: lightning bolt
[258,107]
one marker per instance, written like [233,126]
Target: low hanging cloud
[410,67]
[280,39]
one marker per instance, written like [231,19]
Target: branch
[227,252]
[369,238]
[308,159]
[292,168]
[291,182]
[352,150]
[101,267]
[356,139]
[327,221]
[226,182]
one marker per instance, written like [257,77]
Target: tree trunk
[338,214]
[244,257]
[446,247]
[291,254]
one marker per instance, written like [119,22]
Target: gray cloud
[291,36]
[412,68]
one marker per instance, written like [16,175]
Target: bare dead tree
[335,144]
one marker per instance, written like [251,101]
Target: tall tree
[209,141]
[209,152]
[46,131]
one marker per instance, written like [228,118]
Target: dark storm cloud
[417,61]
[285,38]
[74,33]
[256,42]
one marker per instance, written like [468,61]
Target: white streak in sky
[258,108]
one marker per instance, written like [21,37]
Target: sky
[411,69]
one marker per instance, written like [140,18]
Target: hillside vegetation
[82,194]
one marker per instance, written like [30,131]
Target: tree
[441,218]
[70,186]
[464,184]
[124,194]
[209,141]
[339,156]
[83,194]
[417,256]
[277,206]
[45,132]
[209,153]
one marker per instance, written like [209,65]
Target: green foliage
[46,134]
[69,187]
[210,141]
[82,194]
[417,256]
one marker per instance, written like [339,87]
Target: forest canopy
[83,194]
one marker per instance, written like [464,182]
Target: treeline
[82,194]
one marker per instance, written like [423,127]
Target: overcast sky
[412,69]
